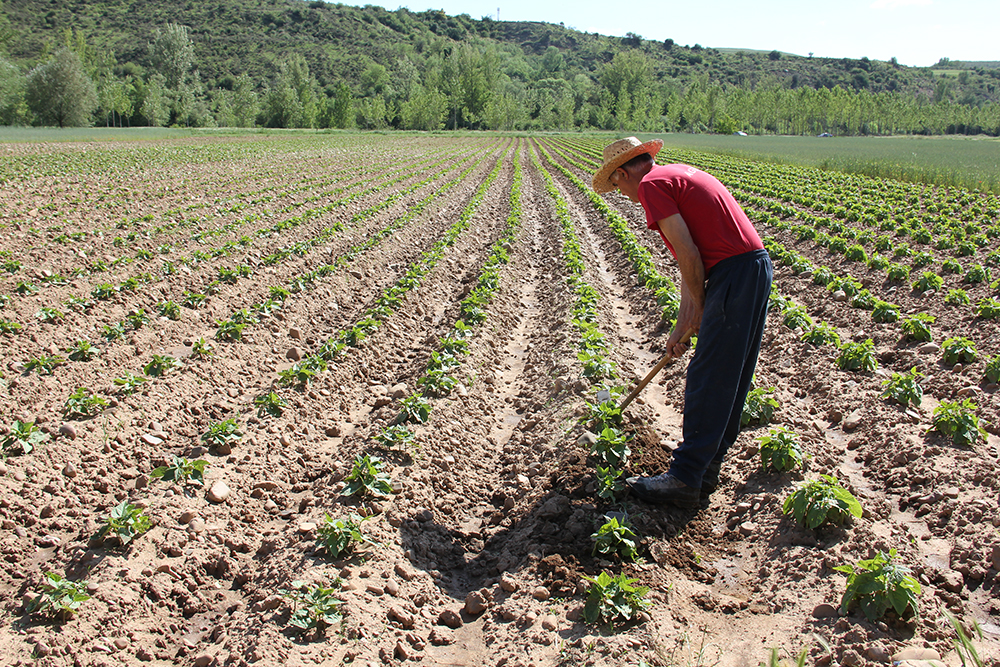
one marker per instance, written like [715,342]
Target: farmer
[725,283]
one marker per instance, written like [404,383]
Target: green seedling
[796,317]
[339,536]
[128,383]
[44,365]
[395,437]
[437,383]
[192,300]
[368,478]
[59,598]
[917,327]
[169,309]
[160,365]
[759,407]
[928,281]
[614,538]
[114,331]
[229,330]
[25,288]
[884,312]
[958,350]
[202,348]
[780,449]
[822,334]
[821,501]
[23,438]
[7,327]
[992,371]
[104,292]
[50,315]
[270,404]
[957,297]
[608,483]
[596,366]
[958,421]
[222,433]
[182,471]
[976,274]
[904,388]
[878,584]
[611,447]
[863,300]
[604,414]
[898,273]
[82,404]
[125,523]
[299,375]
[611,599]
[415,409]
[82,351]
[857,357]
[988,309]
[962,641]
[137,319]
[313,608]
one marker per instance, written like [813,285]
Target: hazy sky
[916,32]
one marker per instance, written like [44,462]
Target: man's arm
[675,230]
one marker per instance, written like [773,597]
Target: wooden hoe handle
[656,369]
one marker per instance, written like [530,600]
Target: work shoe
[665,488]
[710,481]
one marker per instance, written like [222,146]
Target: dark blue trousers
[719,375]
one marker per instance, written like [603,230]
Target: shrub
[796,317]
[878,584]
[863,300]
[898,273]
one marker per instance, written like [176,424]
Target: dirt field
[478,555]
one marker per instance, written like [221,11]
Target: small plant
[169,309]
[23,438]
[299,375]
[596,366]
[885,312]
[863,300]
[951,266]
[928,281]
[182,471]
[796,317]
[437,383]
[59,598]
[125,523]
[128,383]
[962,641]
[988,309]
[958,350]
[611,447]
[229,330]
[604,413]
[958,421]
[780,449]
[415,408]
[608,483]
[615,538]
[856,253]
[898,273]
[44,365]
[160,365]
[82,403]
[50,315]
[367,477]
[917,327]
[313,608]
[821,501]
[976,274]
[957,297]
[202,348]
[759,407]
[270,404]
[992,371]
[7,327]
[222,433]
[104,292]
[612,598]
[137,319]
[338,536]
[114,331]
[25,288]
[878,584]
[904,388]
[857,357]
[82,351]
[822,334]
[192,300]
[395,437]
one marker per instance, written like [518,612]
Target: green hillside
[457,71]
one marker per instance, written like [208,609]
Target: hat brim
[602,179]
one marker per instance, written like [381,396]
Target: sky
[917,33]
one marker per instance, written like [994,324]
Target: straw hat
[618,154]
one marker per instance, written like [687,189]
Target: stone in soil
[218,493]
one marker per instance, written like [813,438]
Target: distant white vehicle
[740,133]
[825,134]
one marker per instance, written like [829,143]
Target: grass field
[971,162]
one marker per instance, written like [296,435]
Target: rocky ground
[478,557]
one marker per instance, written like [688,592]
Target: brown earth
[478,557]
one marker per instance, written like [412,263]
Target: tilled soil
[478,557]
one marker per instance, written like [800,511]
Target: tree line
[470,84]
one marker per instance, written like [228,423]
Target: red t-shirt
[717,224]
